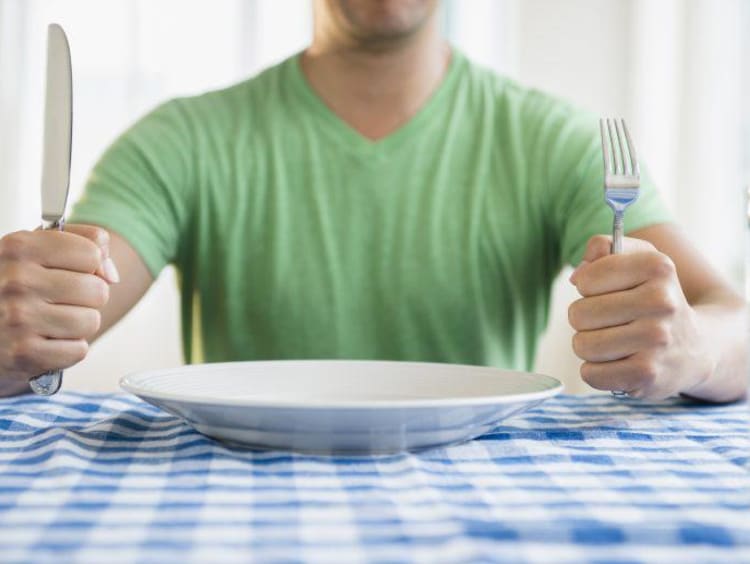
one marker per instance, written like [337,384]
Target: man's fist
[52,287]
[636,331]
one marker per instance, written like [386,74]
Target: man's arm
[658,320]
[58,292]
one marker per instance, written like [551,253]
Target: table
[108,478]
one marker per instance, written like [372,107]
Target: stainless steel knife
[58,127]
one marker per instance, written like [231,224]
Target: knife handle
[48,383]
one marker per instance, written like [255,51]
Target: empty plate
[341,406]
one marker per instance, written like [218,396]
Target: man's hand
[52,287]
[636,331]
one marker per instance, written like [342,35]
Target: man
[377,196]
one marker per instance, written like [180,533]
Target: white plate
[340,406]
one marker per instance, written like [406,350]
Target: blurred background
[671,68]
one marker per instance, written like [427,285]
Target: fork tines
[620,159]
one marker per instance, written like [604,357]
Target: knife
[58,126]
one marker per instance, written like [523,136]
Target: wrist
[723,357]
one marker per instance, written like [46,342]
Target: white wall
[615,57]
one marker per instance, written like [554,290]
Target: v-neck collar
[350,137]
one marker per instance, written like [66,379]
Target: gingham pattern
[108,478]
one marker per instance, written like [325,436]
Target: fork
[622,175]
[622,180]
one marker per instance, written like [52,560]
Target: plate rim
[557,387]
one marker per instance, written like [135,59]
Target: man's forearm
[723,322]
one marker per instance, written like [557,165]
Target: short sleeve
[142,187]
[575,186]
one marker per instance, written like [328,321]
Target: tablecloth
[108,478]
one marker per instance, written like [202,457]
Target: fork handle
[617,233]
[617,229]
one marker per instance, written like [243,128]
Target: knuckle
[643,245]
[92,256]
[93,322]
[665,301]
[23,355]
[579,345]
[670,304]
[599,243]
[586,373]
[13,245]
[14,280]
[100,292]
[661,266]
[96,291]
[660,334]
[583,284]
[596,375]
[574,315]
[79,351]
[15,314]
[646,371]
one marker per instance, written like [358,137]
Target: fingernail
[110,270]
[573,274]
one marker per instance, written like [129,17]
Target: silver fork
[622,180]
[622,175]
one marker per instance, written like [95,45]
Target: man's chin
[383,24]
[383,38]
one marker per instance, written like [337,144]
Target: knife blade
[58,125]
[58,129]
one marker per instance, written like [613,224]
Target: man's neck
[377,89]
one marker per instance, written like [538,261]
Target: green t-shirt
[296,237]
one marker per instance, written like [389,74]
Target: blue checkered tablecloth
[108,478]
